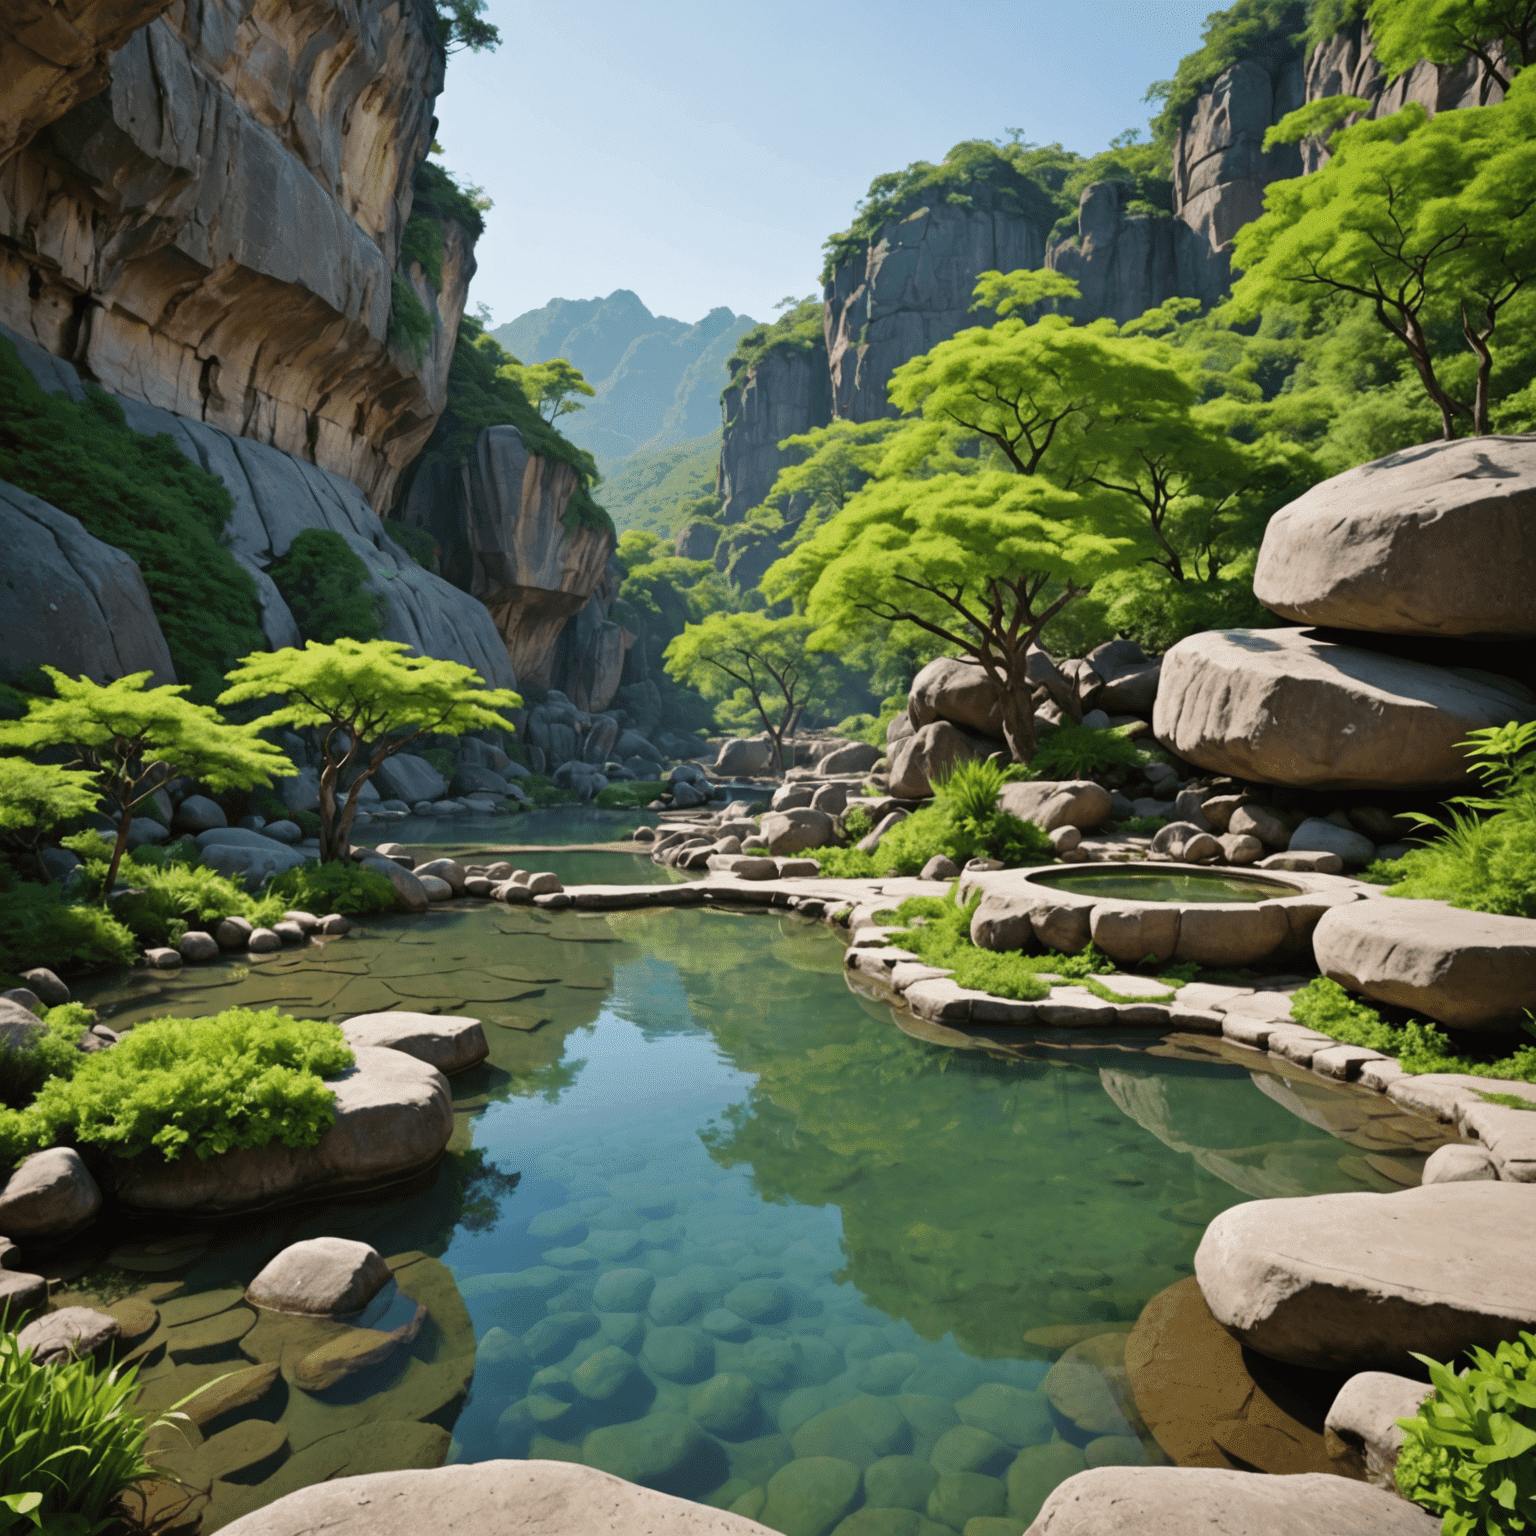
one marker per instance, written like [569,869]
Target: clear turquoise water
[686,1115]
[1155,885]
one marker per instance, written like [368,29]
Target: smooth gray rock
[70,600]
[19,1025]
[1362,1422]
[449,870]
[793,831]
[1315,835]
[1281,707]
[21,1294]
[284,831]
[1050,804]
[404,776]
[1464,969]
[957,691]
[301,791]
[1176,1501]
[1259,821]
[197,813]
[470,779]
[928,754]
[71,1333]
[1357,1281]
[451,1044]
[233,933]
[49,1195]
[322,1276]
[855,757]
[1458,1163]
[51,991]
[1439,539]
[197,948]
[410,894]
[249,863]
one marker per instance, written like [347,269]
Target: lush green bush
[440,758]
[239,1079]
[631,794]
[322,888]
[1325,1006]
[146,497]
[70,1444]
[1076,752]
[410,326]
[543,791]
[325,584]
[422,243]
[55,1053]
[39,927]
[857,822]
[1469,1454]
[1140,826]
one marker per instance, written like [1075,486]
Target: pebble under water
[711,1222]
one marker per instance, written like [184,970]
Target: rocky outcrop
[785,392]
[1435,540]
[503,537]
[71,601]
[215,232]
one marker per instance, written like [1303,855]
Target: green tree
[35,798]
[324,582]
[131,739]
[461,24]
[983,562]
[1426,220]
[765,659]
[367,700]
[1500,34]
[829,464]
[551,386]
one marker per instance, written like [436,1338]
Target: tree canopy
[551,386]
[1500,34]
[367,700]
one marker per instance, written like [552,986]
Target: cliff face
[213,229]
[785,392]
[499,525]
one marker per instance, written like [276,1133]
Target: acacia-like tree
[130,739]
[367,700]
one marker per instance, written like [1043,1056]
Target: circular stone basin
[1205,885]
[1156,911]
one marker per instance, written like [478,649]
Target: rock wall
[209,220]
[502,537]
[784,393]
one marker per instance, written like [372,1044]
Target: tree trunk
[1017,710]
[118,849]
[329,774]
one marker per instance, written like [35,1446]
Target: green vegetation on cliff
[324,583]
[798,329]
[147,498]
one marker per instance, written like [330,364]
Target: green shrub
[325,584]
[1325,1006]
[440,758]
[410,326]
[1075,752]
[631,794]
[55,1053]
[70,1443]
[1469,1455]
[1140,826]
[322,888]
[39,927]
[542,791]
[858,823]
[237,1080]
[146,497]
[422,243]
[416,542]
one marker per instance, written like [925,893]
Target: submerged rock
[449,1043]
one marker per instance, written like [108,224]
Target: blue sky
[700,151]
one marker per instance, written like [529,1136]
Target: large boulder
[1464,969]
[404,776]
[321,1277]
[1063,803]
[1130,678]
[444,1041]
[71,1333]
[793,831]
[744,757]
[394,1116]
[1357,1281]
[71,600]
[19,1026]
[1434,540]
[957,691]
[927,754]
[410,893]
[253,864]
[852,757]
[1175,1501]
[49,1195]
[490,1498]
[1283,707]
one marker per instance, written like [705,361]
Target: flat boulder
[1281,706]
[394,1116]
[1464,969]
[793,831]
[929,753]
[50,1195]
[71,1333]
[489,1498]
[252,864]
[405,776]
[1051,804]
[957,691]
[446,1041]
[1439,539]
[1175,1501]
[321,1277]
[1356,1281]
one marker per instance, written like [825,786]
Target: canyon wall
[205,215]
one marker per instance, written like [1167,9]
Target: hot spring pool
[708,1215]
[1185,886]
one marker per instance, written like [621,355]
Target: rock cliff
[503,537]
[205,214]
[784,392]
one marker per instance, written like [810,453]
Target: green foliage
[1316,120]
[416,542]
[169,898]
[436,194]
[410,324]
[1076,752]
[55,1052]
[858,823]
[798,329]
[825,467]
[542,791]
[368,700]
[36,797]
[322,888]
[1501,34]
[324,582]
[1325,1006]
[237,1080]
[631,794]
[969,796]
[440,758]
[422,243]
[661,593]
[1467,1454]
[38,927]
[1140,826]
[70,1443]
[146,497]
[551,386]
[658,490]
[461,24]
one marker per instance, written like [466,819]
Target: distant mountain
[658,380]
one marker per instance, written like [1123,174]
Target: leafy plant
[237,1080]
[36,797]
[858,823]
[325,584]
[1468,1453]
[70,1443]
[346,888]
[38,926]
[410,326]
[969,796]
[1077,752]
[542,791]
[631,795]
[940,828]
[1140,826]
[55,1052]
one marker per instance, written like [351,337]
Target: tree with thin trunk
[366,700]
[131,739]
[1499,34]
[1431,221]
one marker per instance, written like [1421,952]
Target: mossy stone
[653,1450]
[964,1449]
[889,1522]
[755,1461]
[626,1329]
[609,1246]
[725,1324]
[994,1525]
[1115,1451]
[883,1375]
[861,1431]
[232,1450]
[1036,1472]
[563,1221]
[899,1482]
[553,1337]
[623,1290]
[501,1360]
[603,1374]
[724,1404]
[759,1301]
[679,1354]
[961,1496]
[819,1361]
[238,1389]
[799,1408]
[810,1495]
[1010,1413]
[770,1362]
[930,1418]
[750,1504]
[674,1301]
